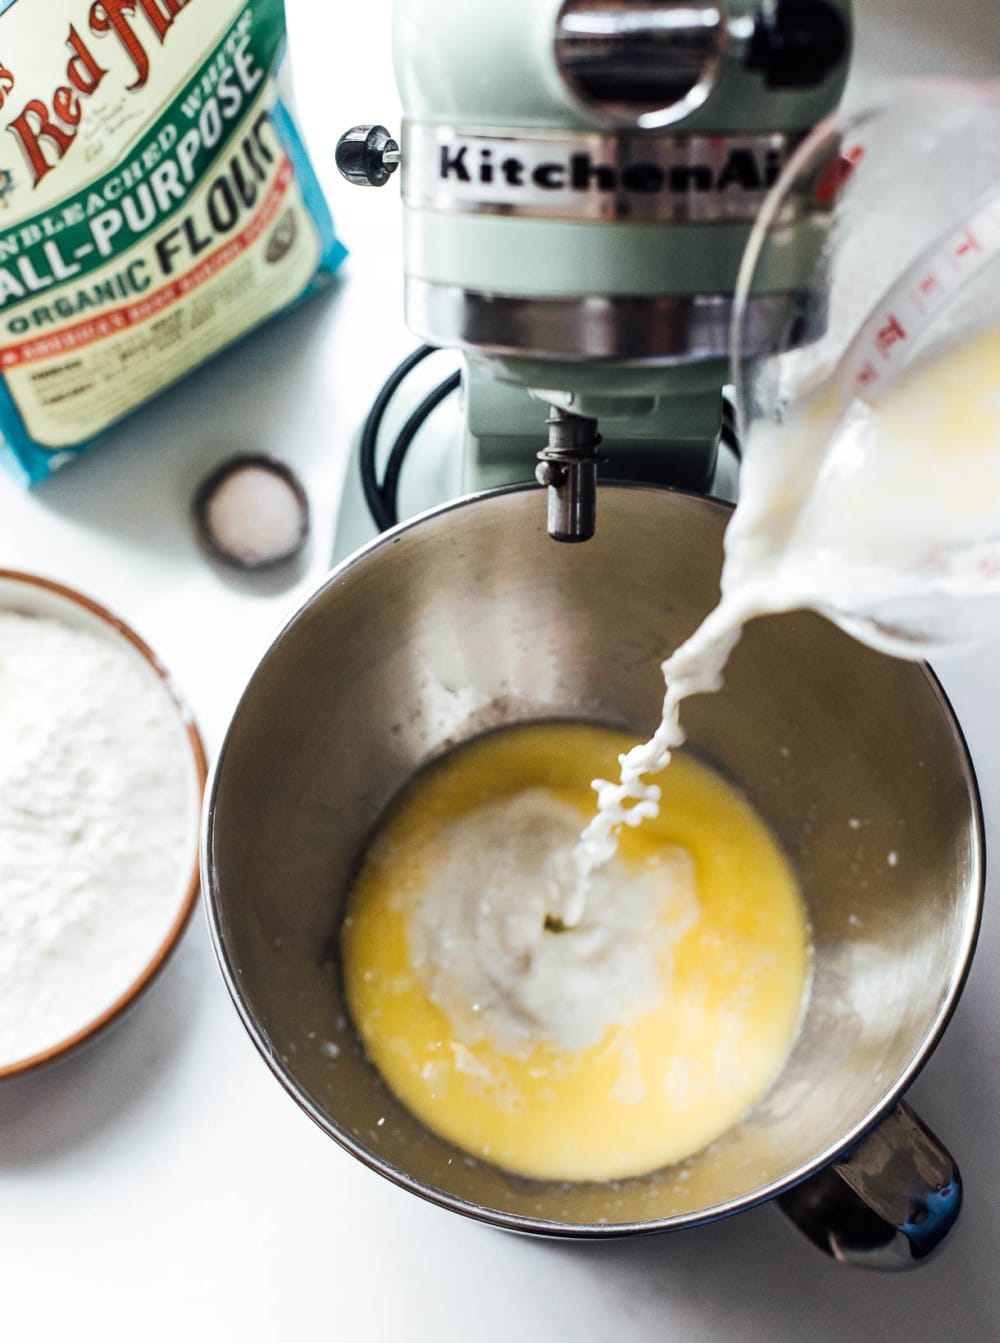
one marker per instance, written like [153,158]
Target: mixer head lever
[568,466]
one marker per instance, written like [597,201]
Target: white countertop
[160,1184]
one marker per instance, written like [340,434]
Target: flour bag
[156,204]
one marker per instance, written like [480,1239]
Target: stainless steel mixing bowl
[472,617]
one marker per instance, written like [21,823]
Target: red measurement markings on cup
[882,346]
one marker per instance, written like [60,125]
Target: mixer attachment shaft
[568,466]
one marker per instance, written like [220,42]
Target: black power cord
[730,430]
[382,499]
[409,431]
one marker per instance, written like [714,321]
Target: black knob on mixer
[798,43]
[367,156]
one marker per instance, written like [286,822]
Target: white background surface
[161,1184]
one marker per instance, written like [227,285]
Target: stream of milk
[882,514]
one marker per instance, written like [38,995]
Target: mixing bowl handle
[887,1203]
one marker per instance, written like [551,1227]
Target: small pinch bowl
[32,595]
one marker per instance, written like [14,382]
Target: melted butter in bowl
[599,1051]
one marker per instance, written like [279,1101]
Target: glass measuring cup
[882,435]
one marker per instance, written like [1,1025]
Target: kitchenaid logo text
[47,126]
[594,176]
[742,168]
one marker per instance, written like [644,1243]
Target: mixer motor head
[580,179]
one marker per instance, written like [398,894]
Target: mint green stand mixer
[580,178]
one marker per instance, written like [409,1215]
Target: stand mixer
[580,178]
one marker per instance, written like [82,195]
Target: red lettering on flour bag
[156,204]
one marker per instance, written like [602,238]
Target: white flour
[98,809]
[484,938]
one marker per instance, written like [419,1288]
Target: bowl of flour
[101,777]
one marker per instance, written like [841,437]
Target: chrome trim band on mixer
[601,178]
[657,331]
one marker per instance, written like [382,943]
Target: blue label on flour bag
[156,204]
